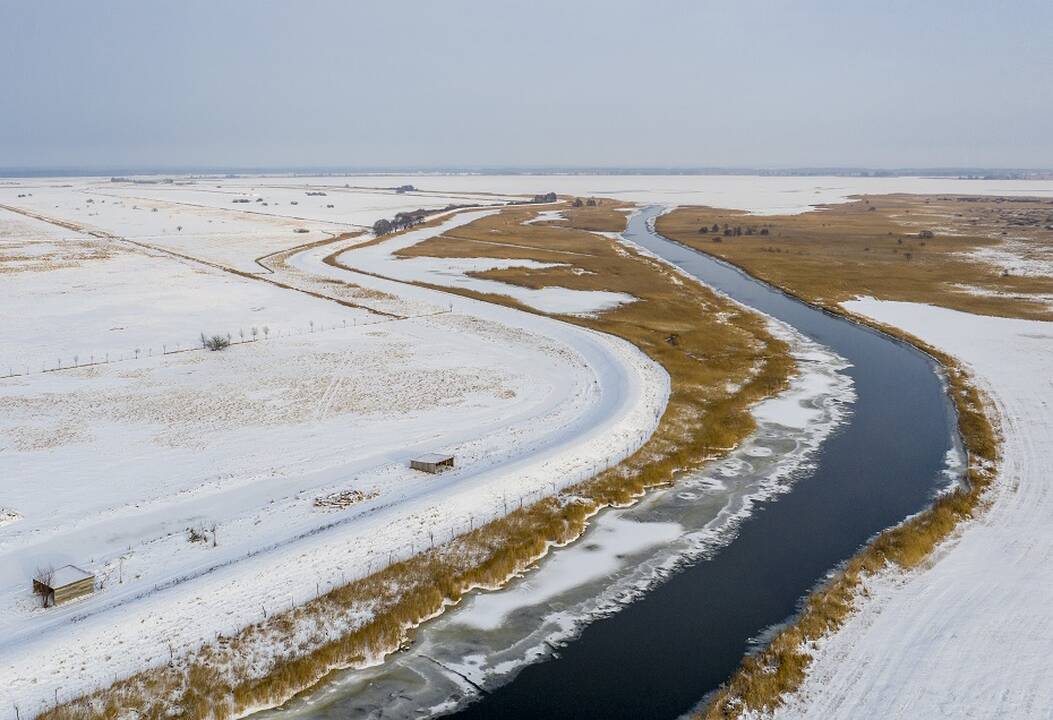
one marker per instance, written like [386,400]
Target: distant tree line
[732,231]
[404,220]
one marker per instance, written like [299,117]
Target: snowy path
[970,635]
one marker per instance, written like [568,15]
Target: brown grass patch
[842,251]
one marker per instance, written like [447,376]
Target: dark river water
[659,655]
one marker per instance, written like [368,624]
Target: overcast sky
[540,83]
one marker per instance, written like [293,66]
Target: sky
[457,83]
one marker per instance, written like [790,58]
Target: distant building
[66,583]
[546,198]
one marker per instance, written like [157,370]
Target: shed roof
[67,575]
[433,458]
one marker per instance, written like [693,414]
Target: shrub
[216,342]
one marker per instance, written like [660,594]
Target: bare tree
[42,584]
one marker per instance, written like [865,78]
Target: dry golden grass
[822,257]
[843,251]
[707,345]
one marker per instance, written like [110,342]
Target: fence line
[138,354]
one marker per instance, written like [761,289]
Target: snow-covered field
[200,217]
[969,634]
[110,465]
[764,195]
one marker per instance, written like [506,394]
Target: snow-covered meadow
[968,634]
[768,195]
[122,440]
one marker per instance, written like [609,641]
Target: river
[654,606]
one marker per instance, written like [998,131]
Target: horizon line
[17,171]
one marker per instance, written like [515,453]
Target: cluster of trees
[591,202]
[401,221]
[732,231]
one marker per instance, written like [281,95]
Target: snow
[611,538]
[1024,257]
[759,194]
[108,466]
[66,575]
[453,272]
[545,216]
[968,635]
[126,298]
[199,218]
[790,408]
[351,206]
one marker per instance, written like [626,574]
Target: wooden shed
[432,462]
[66,583]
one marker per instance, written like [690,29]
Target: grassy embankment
[841,252]
[872,247]
[720,358]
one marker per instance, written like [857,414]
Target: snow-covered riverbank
[968,634]
[623,554]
